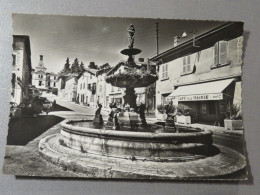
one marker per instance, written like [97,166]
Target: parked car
[15,111]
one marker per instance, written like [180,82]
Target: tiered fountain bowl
[132,79]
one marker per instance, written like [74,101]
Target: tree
[82,67]
[66,68]
[75,66]
[92,65]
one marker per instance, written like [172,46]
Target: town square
[126,98]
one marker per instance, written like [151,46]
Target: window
[91,76]
[54,84]
[83,85]
[39,76]
[220,53]
[165,71]
[40,83]
[54,78]
[186,64]
[49,84]
[100,88]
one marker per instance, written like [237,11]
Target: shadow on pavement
[28,128]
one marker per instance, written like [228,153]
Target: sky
[97,39]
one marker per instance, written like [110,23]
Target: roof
[102,71]
[52,73]
[116,67]
[73,75]
[91,71]
[226,31]
[39,72]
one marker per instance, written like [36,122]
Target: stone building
[70,90]
[203,73]
[21,68]
[102,87]
[43,80]
[86,89]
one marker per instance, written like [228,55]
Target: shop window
[220,54]
[212,108]
[186,64]
[164,71]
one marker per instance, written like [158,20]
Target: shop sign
[202,97]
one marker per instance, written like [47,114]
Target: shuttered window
[220,53]
[164,71]
[186,64]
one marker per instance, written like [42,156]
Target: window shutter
[188,63]
[162,71]
[216,54]
[166,70]
[222,52]
[184,64]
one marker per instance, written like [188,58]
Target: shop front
[207,100]
[116,98]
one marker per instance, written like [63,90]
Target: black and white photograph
[126,98]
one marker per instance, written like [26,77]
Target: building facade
[102,87]
[206,76]
[43,80]
[70,90]
[86,89]
[21,68]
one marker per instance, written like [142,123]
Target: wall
[71,89]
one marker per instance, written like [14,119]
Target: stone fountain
[127,146]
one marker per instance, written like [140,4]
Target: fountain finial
[131,31]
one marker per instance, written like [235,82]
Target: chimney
[41,61]
[176,41]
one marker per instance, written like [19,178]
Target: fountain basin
[156,146]
[131,79]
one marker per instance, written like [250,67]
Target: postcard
[126,98]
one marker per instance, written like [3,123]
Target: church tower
[40,66]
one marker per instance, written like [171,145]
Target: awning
[200,92]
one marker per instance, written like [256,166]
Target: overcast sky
[97,39]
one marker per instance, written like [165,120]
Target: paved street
[235,142]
